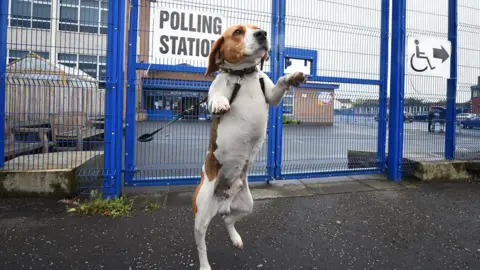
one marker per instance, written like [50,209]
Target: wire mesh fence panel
[331,123]
[63,86]
[468,87]
[174,39]
[55,85]
[425,95]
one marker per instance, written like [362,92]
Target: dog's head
[240,46]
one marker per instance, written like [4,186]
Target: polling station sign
[183,34]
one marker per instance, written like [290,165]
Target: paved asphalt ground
[344,225]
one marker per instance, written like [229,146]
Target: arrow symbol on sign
[440,54]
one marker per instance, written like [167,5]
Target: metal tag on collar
[239,80]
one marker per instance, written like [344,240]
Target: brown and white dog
[238,130]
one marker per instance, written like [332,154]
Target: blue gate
[342,132]
[333,125]
[159,88]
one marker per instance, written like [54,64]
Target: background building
[72,32]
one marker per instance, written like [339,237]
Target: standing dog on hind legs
[238,99]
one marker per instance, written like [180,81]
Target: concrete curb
[35,178]
[448,170]
[288,188]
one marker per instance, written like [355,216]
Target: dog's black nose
[261,34]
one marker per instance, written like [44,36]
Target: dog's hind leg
[202,220]
[241,206]
[207,208]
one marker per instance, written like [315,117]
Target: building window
[475,93]
[102,71]
[153,99]
[69,60]
[31,13]
[95,66]
[14,55]
[86,16]
[89,65]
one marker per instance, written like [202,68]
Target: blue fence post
[3,69]
[397,83]
[282,6]
[382,112]
[131,97]
[119,95]
[451,113]
[272,123]
[109,173]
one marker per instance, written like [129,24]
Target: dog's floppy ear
[265,57]
[215,58]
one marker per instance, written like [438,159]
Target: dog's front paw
[296,78]
[220,106]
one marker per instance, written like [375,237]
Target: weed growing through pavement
[151,206]
[116,207]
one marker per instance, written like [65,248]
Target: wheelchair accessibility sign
[429,56]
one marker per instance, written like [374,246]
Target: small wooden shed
[37,88]
[313,103]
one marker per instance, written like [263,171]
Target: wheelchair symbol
[420,55]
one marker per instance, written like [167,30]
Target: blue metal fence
[96,65]
[425,145]
[437,135]
[3,67]
[61,65]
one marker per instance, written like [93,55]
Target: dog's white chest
[243,128]
[249,110]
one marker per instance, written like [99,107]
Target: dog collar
[240,72]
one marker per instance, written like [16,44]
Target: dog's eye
[237,32]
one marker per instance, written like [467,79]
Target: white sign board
[183,34]
[428,56]
[325,98]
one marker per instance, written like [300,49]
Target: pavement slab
[381,184]
[343,187]
[431,226]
